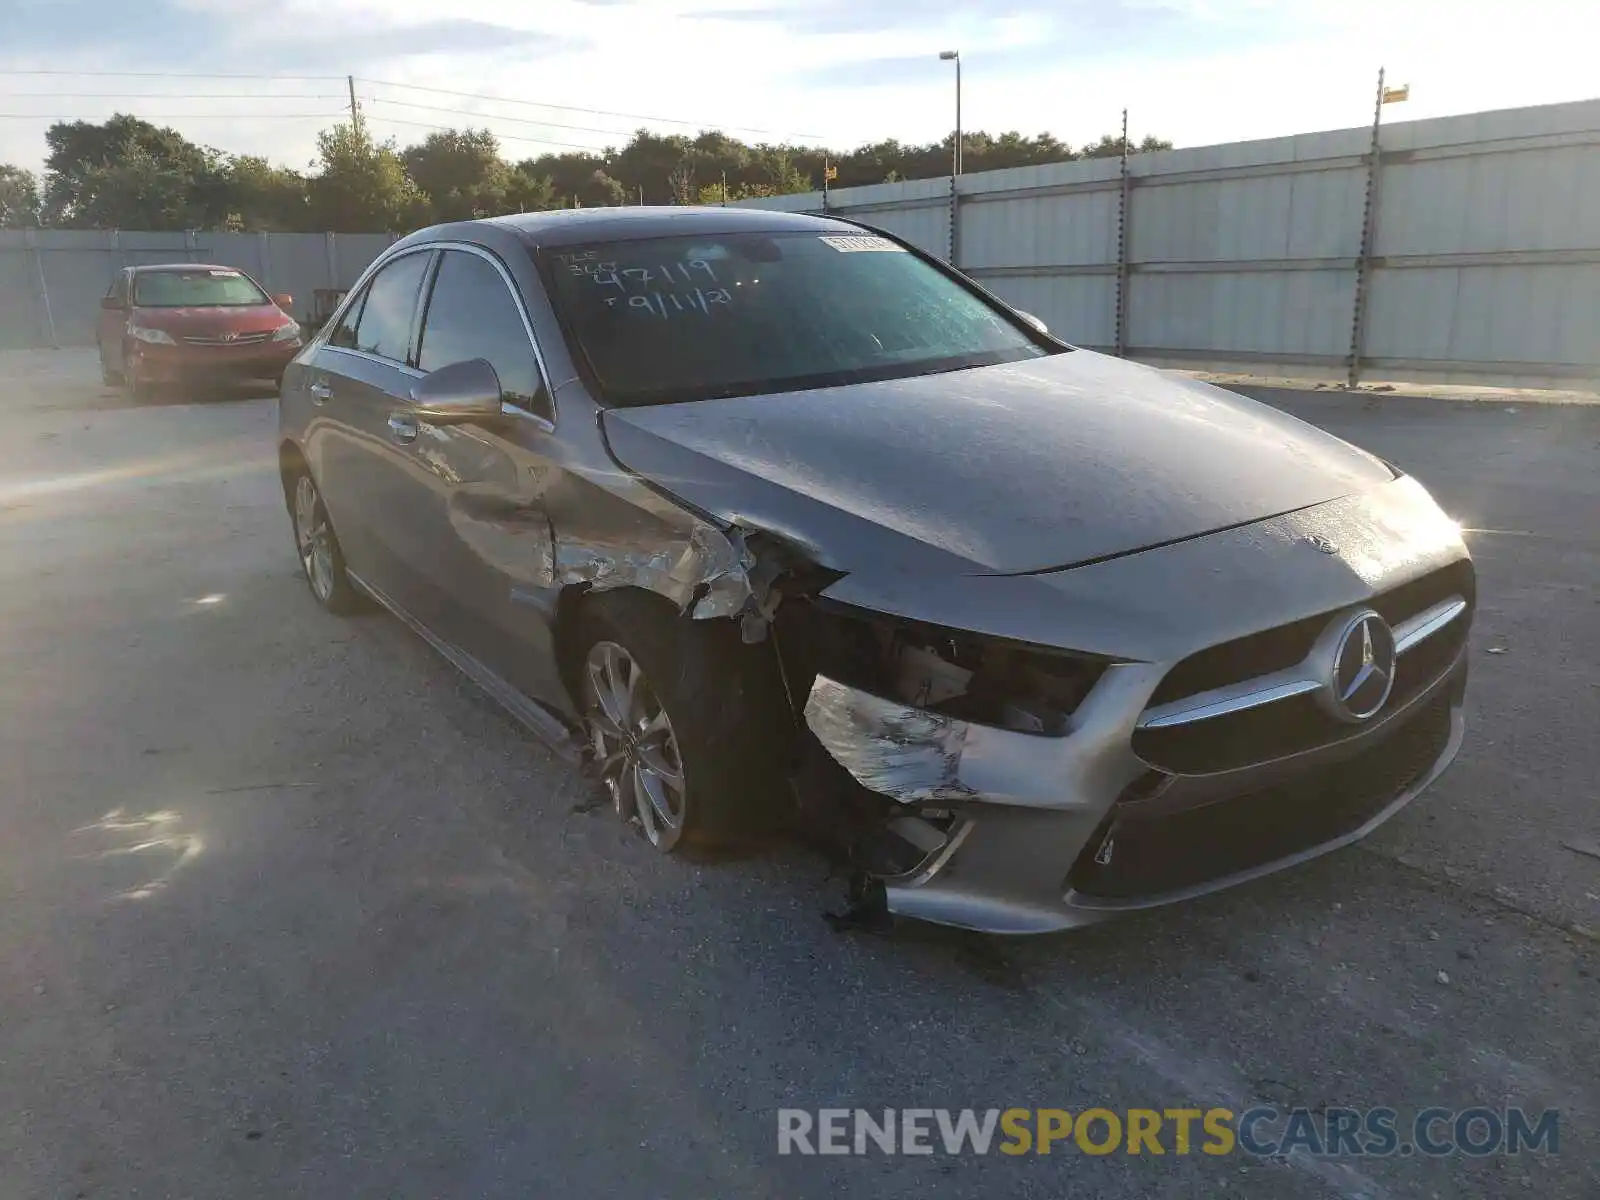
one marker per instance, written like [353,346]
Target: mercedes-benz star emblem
[1363,667]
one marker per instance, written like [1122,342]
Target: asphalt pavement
[289,909]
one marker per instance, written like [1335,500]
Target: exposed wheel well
[566,631]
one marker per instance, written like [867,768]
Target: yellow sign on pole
[830,173]
[1395,95]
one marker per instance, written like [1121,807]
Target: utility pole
[724,189]
[355,109]
[641,195]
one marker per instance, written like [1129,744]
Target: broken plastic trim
[708,575]
[905,753]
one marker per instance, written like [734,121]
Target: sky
[839,72]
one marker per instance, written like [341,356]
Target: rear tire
[720,734]
[321,557]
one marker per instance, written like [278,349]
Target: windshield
[200,288]
[684,318]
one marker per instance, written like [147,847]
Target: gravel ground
[291,910]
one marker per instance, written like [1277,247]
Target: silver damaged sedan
[786,526]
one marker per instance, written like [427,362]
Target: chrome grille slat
[1293,681]
[1252,693]
[1414,630]
[243,339]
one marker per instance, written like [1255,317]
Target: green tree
[136,191]
[1110,146]
[19,198]
[92,169]
[528,192]
[261,196]
[581,179]
[361,185]
[461,173]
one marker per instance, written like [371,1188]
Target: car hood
[212,321]
[1028,467]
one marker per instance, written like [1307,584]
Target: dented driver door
[491,552]
[488,557]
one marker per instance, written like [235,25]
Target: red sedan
[192,323]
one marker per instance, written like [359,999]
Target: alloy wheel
[314,538]
[633,744]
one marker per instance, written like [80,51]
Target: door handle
[402,427]
[320,392]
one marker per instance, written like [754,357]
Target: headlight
[155,337]
[982,680]
[287,333]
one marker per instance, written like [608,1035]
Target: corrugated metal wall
[1483,266]
[51,280]
[1484,263]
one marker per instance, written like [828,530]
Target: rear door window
[472,314]
[384,327]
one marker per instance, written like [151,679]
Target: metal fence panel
[1484,262]
[1075,306]
[71,268]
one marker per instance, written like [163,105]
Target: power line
[164,75]
[172,95]
[595,150]
[170,116]
[497,117]
[594,112]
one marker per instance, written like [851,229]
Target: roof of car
[564,226]
[148,268]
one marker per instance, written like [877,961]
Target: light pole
[955,57]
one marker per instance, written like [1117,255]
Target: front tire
[321,557]
[679,722]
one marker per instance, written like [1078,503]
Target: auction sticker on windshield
[854,244]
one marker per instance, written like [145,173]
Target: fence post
[1122,248]
[1369,221]
[955,223]
[30,241]
[331,248]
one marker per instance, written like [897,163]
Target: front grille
[1292,726]
[1154,853]
[241,339]
[1274,649]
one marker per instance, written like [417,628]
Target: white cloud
[1196,71]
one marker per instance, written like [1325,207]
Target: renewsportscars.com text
[1263,1131]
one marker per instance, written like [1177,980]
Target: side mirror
[111,302]
[460,393]
[284,301]
[1034,321]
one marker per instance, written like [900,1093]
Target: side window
[384,327]
[471,314]
[344,333]
[119,287]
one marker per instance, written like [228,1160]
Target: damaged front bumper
[1027,830]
